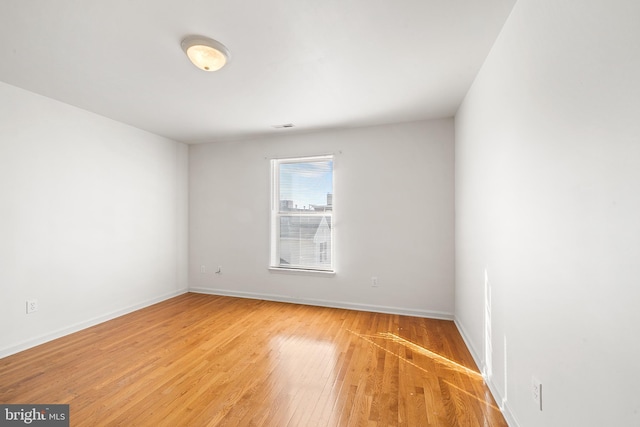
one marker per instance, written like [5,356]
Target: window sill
[323,273]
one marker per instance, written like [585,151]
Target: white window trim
[275,215]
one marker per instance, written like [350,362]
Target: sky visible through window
[306,183]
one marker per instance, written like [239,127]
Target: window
[302,213]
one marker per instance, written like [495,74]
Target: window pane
[302,209]
[305,241]
[306,186]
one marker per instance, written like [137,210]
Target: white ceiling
[318,64]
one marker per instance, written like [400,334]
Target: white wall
[393,218]
[548,204]
[93,218]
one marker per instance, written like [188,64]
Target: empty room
[298,213]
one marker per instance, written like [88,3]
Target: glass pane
[305,241]
[306,186]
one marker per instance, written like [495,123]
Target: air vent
[285,126]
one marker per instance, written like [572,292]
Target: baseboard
[470,346]
[327,303]
[497,396]
[85,324]
[502,404]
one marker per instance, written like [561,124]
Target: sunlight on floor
[487,398]
[475,375]
[418,349]
[429,353]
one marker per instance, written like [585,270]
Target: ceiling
[317,64]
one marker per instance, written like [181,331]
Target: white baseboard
[470,346]
[8,351]
[327,303]
[502,403]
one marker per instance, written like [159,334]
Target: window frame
[276,214]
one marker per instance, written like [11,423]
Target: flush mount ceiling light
[205,53]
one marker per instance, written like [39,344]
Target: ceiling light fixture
[205,53]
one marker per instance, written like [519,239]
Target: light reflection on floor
[293,355]
[486,401]
[291,364]
[419,349]
[299,370]
[475,375]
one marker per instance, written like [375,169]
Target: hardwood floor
[203,360]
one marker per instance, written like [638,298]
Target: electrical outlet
[536,388]
[374,282]
[32,306]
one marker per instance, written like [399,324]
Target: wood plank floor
[203,360]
